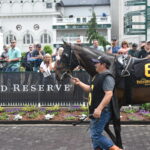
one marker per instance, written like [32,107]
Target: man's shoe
[114,147]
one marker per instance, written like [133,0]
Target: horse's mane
[80,55]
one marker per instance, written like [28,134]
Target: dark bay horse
[74,55]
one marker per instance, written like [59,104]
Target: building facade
[50,21]
[128,20]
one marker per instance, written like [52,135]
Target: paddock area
[66,137]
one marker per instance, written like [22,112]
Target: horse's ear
[65,43]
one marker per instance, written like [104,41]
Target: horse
[74,55]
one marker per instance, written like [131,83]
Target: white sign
[148,34]
[148,2]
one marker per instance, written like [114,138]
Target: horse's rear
[136,96]
[133,87]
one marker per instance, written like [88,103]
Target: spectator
[115,47]
[3,58]
[28,61]
[14,56]
[37,56]
[46,67]
[97,46]
[145,50]
[142,45]
[134,52]
[124,48]
[59,53]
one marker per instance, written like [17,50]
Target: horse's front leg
[117,129]
[111,135]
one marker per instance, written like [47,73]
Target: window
[84,20]
[45,38]
[48,5]
[28,39]
[78,20]
[9,38]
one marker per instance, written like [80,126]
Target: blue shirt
[12,54]
[115,49]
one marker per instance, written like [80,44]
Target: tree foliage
[92,32]
[48,49]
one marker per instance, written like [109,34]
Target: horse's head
[74,55]
[67,62]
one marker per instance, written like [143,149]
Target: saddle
[127,66]
[123,62]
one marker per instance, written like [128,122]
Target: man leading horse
[100,95]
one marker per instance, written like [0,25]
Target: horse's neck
[84,56]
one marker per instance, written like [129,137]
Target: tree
[48,49]
[92,32]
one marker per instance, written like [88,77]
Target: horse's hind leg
[111,135]
[117,129]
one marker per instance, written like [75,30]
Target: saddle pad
[141,73]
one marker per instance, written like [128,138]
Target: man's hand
[75,81]
[97,113]
[42,70]
[40,56]
[8,60]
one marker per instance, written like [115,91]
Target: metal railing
[81,20]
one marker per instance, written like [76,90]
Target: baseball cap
[103,60]
[38,46]
[134,45]
[114,39]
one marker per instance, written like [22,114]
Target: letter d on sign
[3,88]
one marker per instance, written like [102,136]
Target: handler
[100,95]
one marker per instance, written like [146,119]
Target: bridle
[69,65]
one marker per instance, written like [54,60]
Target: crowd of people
[140,50]
[36,60]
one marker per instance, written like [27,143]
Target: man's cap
[38,46]
[114,39]
[134,45]
[13,41]
[103,60]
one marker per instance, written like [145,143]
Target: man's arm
[84,86]
[18,57]
[105,101]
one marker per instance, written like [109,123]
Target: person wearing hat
[134,52]
[14,57]
[145,51]
[37,56]
[100,95]
[115,47]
